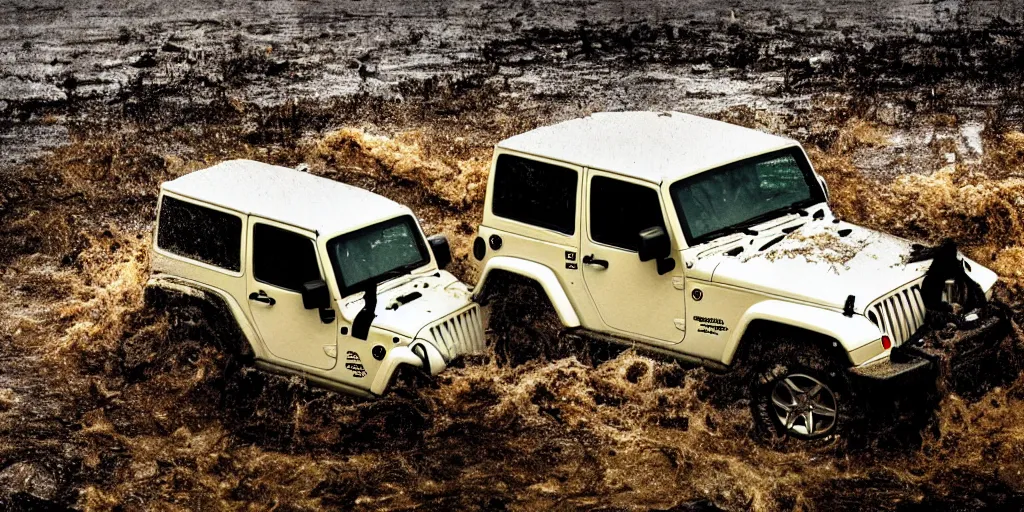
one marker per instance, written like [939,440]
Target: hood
[414,302]
[818,261]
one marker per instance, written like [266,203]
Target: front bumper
[906,366]
[920,357]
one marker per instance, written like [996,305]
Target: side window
[200,233]
[282,258]
[619,211]
[535,193]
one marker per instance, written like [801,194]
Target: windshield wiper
[397,272]
[737,228]
[764,217]
[797,207]
[744,227]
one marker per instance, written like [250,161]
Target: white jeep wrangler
[324,280]
[714,243]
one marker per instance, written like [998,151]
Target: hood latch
[848,307]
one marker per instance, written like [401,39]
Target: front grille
[460,334]
[900,314]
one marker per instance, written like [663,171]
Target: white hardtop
[651,146]
[285,195]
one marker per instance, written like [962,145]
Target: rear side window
[200,233]
[620,210]
[535,193]
[282,258]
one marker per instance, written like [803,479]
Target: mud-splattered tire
[206,318]
[798,391]
[524,325]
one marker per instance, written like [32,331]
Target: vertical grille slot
[900,314]
[460,334]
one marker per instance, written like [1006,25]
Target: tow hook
[970,319]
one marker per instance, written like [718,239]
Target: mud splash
[458,182]
[979,205]
[107,403]
[155,410]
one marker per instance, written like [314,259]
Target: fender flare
[418,354]
[199,290]
[850,332]
[543,275]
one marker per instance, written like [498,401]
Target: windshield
[377,253]
[744,193]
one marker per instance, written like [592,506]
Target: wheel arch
[396,358]
[217,298]
[542,275]
[840,334]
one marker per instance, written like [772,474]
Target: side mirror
[654,244]
[824,186]
[442,252]
[315,295]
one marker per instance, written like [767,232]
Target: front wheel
[803,406]
[799,392]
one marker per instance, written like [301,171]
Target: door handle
[262,297]
[591,260]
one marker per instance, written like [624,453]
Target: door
[280,260]
[629,294]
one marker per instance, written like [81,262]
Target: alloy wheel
[804,406]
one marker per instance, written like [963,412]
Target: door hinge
[331,351]
[680,323]
[679,282]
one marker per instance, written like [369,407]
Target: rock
[28,478]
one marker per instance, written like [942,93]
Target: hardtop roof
[285,195]
[651,146]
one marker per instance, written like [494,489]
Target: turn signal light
[886,342]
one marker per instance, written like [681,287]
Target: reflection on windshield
[369,253]
[732,196]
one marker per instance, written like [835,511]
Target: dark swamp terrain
[914,112]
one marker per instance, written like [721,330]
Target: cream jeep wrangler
[715,244]
[324,280]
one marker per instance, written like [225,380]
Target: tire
[799,391]
[203,318]
[524,324]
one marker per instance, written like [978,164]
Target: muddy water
[105,403]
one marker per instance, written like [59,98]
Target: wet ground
[912,111]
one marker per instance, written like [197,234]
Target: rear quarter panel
[227,282]
[557,251]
